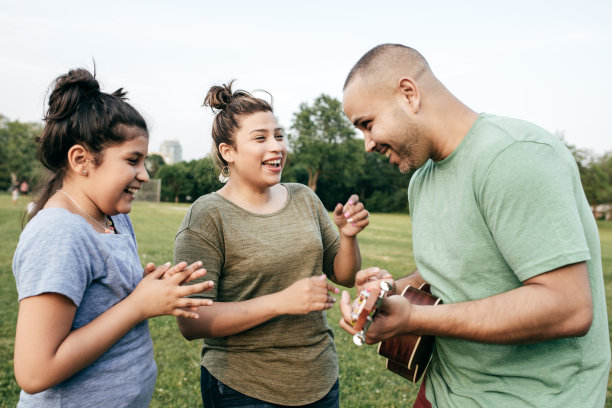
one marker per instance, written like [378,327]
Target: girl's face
[113,183]
[259,153]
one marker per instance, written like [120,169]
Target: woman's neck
[256,200]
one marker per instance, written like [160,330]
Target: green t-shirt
[288,360]
[505,206]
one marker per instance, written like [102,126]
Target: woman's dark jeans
[215,394]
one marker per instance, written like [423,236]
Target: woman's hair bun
[219,96]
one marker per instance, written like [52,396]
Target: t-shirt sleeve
[51,259]
[528,201]
[198,240]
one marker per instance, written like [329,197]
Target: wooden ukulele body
[409,355]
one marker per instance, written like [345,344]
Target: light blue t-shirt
[60,252]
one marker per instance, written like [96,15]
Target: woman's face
[259,152]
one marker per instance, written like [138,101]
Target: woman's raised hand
[162,290]
[351,217]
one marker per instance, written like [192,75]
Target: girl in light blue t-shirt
[82,337]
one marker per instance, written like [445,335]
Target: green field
[364,381]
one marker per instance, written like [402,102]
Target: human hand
[351,217]
[181,266]
[307,295]
[366,278]
[390,320]
[161,291]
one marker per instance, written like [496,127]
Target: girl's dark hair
[80,114]
[229,106]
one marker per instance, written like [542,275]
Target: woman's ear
[227,152]
[79,159]
[410,93]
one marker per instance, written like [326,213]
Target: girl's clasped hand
[162,290]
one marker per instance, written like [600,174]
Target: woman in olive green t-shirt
[269,248]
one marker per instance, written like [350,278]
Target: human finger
[338,210]
[384,274]
[366,275]
[182,271]
[187,290]
[149,267]
[159,271]
[346,309]
[332,288]
[174,269]
[195,275]
[355,213]
[349,208]
[190,303]
[185,313]
[353,200]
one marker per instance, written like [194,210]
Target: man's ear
[410,93]
[79,159]
[227,152]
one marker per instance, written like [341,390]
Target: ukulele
[364,308]
[407,355]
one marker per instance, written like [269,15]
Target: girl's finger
[196,288]
[192,303]
[184,271]
[149,267]
[179,267]
[195,275]
[160,270]
[185,313]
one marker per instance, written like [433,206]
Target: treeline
[324,153]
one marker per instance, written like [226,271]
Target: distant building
[171,151]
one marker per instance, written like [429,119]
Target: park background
[546,62]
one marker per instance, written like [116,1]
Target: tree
[205,177]
[174,181]
[186,181]
[18,159]
[595,173]
[153,163]
[321,140]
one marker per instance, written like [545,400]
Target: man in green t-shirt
[502,232]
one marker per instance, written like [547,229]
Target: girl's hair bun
[69,90]
[80,78]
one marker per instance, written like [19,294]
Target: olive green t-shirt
[288,360]
[505,206]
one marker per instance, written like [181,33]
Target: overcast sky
[549,62]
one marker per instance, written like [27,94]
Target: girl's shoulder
[56,221]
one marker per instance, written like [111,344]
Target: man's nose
[369,143]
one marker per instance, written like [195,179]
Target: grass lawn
[364,381]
